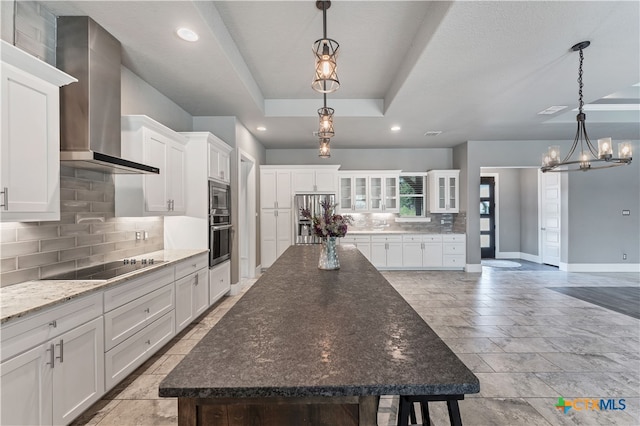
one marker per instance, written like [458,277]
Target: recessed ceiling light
[552,110]
[395,128]
[187,34]
[261,129]
[432,132]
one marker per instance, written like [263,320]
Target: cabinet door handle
[61,357]
[52,355]
[146,310]
[148,342]
[53,324]
[197,276]
[168,205]
[5,195]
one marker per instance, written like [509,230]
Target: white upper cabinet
[219,159]
[315,179]
[275,188]
[30,123]
[146,141]
[383,193]
[369,191]
[444,190]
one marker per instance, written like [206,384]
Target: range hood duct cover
[90,133]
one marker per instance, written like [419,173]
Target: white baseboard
[508,255]
[258,271]
[530,257]
[473,267]
[235,289]
[600,267]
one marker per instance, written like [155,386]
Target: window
[412,195]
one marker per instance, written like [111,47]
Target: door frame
[496,198]
[247,235]
[492,217]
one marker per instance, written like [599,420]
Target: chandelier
[602,156]
[326,52]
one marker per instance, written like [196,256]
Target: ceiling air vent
[433,132]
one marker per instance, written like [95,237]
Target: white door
[184,301]
[25,388]
[78,377]
[268,231]
[550,229]
[412,254]
[379,254]
[284,231]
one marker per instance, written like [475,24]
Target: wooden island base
[334,411]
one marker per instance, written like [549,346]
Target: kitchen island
[308,346]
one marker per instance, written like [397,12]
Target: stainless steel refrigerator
[302,227]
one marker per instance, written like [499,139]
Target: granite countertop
[26,298]
[300,332]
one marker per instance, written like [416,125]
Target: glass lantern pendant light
[326,52]
[601,157]
[326,120]
[325,149]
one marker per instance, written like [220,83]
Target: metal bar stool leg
[424,407]
[454,412]
[403,412]
[412,413]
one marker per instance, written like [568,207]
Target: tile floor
[527,344]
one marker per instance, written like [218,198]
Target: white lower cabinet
[386,251]
[130,354]
[54,382]
[219,281]
[362,242]
[454,250]
[276,229]
[192,297]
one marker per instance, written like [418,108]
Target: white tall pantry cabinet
[276,220]
[30,134]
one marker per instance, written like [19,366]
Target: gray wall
[237,136]
[409,160]
[138,97]
[529,211]
[35,30]
[592,201]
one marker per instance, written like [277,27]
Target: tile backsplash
[441,223]
[88,233]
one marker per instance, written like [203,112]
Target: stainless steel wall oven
[219,223]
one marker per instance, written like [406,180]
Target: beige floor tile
[143,413]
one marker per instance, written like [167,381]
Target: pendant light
[325,115]
[326,52]
[325,149]
[589,158]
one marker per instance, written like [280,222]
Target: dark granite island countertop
[301,332]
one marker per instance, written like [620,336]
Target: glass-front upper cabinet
[353,194]
[383,193]
[443,191]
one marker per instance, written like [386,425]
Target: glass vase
[328,255]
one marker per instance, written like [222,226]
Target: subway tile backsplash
[88,233]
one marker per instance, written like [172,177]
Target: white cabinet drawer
[133,289]
[453,260]
[123,322]
[453,238]
[450,248]
[22,334]
[412,238]
[192,265]
[386,238]
[432,238]
[127,356]
[355,239]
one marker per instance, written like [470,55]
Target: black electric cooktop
[107,270]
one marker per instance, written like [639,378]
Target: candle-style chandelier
[602,156]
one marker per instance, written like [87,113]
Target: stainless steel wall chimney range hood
[90,109]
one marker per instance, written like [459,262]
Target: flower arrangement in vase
[328,226]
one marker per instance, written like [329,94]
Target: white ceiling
[475,70]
